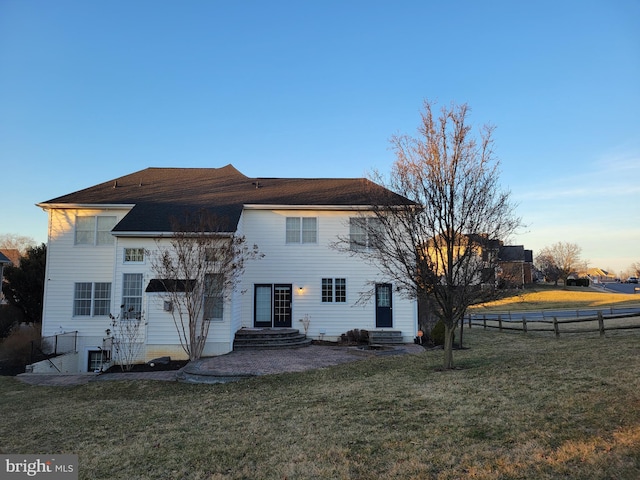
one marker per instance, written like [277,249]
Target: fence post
[555,326]
[484,321]
[500,323]
[469,320]
[601,323]
[524,324]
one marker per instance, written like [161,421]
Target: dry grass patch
[518,407]
[550,298]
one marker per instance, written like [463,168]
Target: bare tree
[441,245]
[559,260]
[126,337]
[13,241]
[198,271]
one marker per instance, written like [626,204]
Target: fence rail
[569,321]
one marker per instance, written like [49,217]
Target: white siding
[301,265]
[67,264]
[304,266]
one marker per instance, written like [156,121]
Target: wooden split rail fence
[569,321]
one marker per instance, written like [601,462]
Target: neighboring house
[515,265]
[599,275]
[99,238]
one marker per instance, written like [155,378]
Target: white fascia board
[163,234]
[306,207]
[89,206]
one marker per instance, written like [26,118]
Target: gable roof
[515,253]
[4,260]
[160,194]
[10,256]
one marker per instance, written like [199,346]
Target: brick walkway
[232,366]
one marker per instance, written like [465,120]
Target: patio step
[385,337]
[269,338]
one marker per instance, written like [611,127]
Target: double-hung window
[364,232]
[302,230]
[213,297]
[92,299]
[132,295]
[94,230]
[334,290]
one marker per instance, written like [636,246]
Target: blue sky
[90,91]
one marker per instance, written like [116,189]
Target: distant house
[600,275]
[515,265]
[99,238]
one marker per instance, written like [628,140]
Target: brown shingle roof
[159,194]
[10,256]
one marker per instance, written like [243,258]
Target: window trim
[216,296]
[300,231]
[93,299]
[126,299]
[362,223]
[94,235]
[333,290]
[140,250]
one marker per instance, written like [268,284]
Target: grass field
[545,297]
[518,407]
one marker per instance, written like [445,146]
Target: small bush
[355,337]
[437,334]
[577,282]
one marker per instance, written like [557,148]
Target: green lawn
[526,407]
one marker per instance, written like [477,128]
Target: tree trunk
[449,333]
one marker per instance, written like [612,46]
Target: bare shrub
[15,350]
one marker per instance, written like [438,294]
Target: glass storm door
[384,306]
[262,306]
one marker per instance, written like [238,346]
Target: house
[598,275]
[99,238]
[515,265]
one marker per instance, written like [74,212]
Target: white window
[97,359]
[302,230]
[132,295]
[133,255]
[92,299]
[334,290]
[364,232]
[213,297]
[95,230]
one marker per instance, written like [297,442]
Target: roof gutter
[93,206]
[254,206]
[141,234]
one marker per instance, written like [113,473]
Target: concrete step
[269,338]
[385,337]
